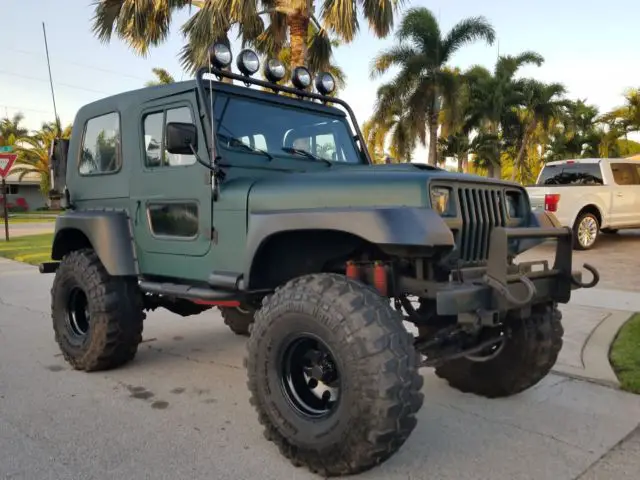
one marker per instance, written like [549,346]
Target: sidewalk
[591,321]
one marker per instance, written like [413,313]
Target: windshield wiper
[235,143]
[307,154]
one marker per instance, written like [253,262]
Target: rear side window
[624,174]
[101,145]
[571,174]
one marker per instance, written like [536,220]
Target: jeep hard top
[260,199]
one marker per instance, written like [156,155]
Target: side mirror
[180,137]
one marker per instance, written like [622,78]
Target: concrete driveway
[181,410]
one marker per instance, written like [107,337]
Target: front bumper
[502,286]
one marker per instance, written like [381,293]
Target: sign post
[6,162]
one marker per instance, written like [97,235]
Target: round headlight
[301,78]
[220,55]
[274,70]
[248,62]
[325,83]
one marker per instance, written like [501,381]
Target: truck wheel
[333,375]
[525,357]
[238,319]
[585,231]
[97,318]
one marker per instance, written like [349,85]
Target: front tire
[97,318]
[333,375]
[528,354]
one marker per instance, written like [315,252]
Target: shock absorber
[380,278]
[353,271]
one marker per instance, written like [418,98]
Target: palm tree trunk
[298,20]
[460,163]
[433,139]
[523,148]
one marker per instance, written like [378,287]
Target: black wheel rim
[310,376]
[78,313]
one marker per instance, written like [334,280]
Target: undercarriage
[467,311]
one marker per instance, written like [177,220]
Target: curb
[595,352]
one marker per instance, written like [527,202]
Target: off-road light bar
[274,70]
[325,83]
[248,62]
[220,55]
[301,78]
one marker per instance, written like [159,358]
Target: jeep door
[170,194]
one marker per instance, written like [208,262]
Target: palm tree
[33,153]
[627,116]
[422,53]
[541,105]
[10,129]
[392,120]
[163,77]
[145,24]
[494,96]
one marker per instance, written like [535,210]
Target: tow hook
[594,281]
[503,290]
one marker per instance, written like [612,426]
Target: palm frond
[467,31]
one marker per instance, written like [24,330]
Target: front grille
[482,208]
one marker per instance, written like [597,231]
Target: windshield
[277,130]
[571,174]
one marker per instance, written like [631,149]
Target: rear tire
[238,319]
[586,231]
[363,353]
[97,318]
[527,356]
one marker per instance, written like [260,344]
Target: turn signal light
[551,201]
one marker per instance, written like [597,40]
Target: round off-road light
[248,62]
[301,78]
[325,83]
[220,55]
[274,70]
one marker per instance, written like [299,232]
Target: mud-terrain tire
[374,358]
[106,338]
[238,319]
[526,358]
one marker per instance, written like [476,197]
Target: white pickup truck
[590,196]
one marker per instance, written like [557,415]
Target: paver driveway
[181,411]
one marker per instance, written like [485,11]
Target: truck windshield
[571,174]
[279,130]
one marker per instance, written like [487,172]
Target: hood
[352,186]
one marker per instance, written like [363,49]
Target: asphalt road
[181,411]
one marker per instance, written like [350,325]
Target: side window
[624,174]
[154,125]
[101,145]
[153,139]
[174,219]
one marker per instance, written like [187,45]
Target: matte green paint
[253,184]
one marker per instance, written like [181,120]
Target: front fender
[384,226]
[107,232]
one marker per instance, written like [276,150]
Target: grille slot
[482,209]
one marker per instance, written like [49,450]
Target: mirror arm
[217,173]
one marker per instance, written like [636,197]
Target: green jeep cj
[261,200]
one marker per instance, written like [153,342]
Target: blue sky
[590,46]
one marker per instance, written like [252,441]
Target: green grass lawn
[28,219]
[32,249]
[625,355]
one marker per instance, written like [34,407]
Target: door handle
[619,194]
